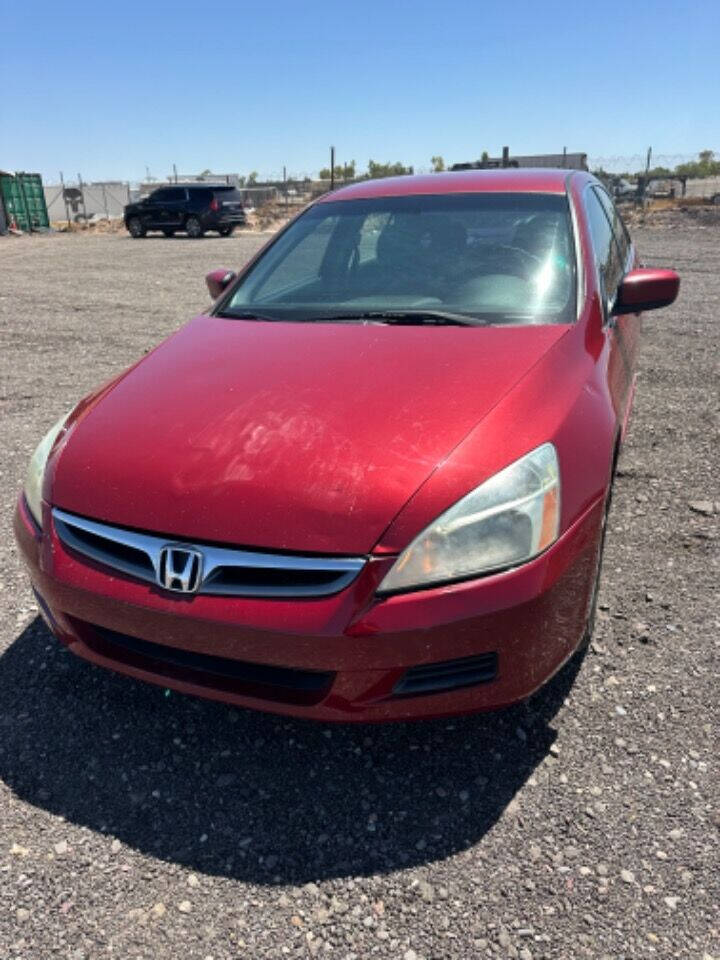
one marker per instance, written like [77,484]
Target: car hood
[303,437]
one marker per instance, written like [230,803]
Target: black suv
[192,209]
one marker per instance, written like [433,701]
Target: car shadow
[239,231]
[252,796]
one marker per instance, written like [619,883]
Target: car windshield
[472,258]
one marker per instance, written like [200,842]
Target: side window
[300,267]
[622,237]
[607,254]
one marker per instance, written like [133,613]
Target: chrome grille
[225,571]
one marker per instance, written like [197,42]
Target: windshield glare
[499,258]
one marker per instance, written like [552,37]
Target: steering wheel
[525,262]
[515,261]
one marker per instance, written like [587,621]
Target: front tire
[136,228]
[194,228]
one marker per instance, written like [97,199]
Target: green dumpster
[32,189]
[14,202]
[24,200]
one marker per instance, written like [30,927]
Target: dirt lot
[135,825]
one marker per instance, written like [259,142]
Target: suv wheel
[136,228]
[226,231]
[194,228]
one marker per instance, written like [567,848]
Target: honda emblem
[180,569]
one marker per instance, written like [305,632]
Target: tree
[345,171]
[252,178]
[659,173]
[378,170]
[438,164]
[705,166]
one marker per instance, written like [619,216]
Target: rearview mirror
[646,289]
[219,280]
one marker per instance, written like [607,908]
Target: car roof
[509,180]
[195,186]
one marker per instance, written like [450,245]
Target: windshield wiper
[407,317]
[399,317]
[246,315]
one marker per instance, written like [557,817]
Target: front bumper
[348,657]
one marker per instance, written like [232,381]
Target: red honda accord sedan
[371,482]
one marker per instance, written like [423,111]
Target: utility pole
[175,172]
[332,168]
[646,178]
[285,188]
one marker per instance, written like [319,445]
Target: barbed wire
[616,163]
[637,161]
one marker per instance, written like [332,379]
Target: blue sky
[105,90]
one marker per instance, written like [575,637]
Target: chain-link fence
[657,175]
[78,202]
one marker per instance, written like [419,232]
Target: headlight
[36,470]
[507,520]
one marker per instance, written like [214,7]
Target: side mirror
[646,290]
[219,280]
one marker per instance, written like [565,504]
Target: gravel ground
[583,824]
